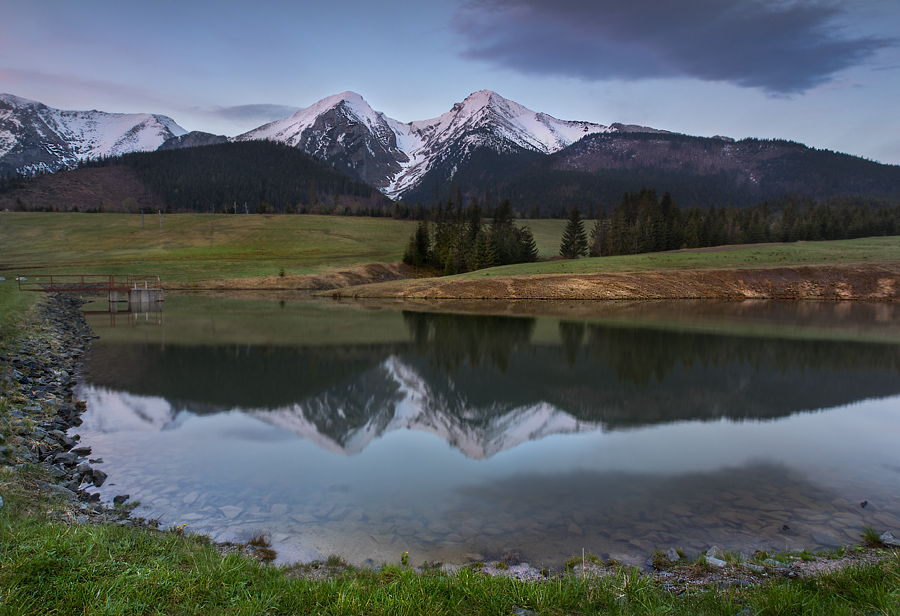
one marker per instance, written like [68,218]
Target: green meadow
[194,247]
[190,247]
[859,251]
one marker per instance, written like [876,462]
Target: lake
[372,429]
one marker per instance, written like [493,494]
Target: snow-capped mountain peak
[342,129]
[289,130]
[36,137]
[394,156]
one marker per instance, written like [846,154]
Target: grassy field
[859,251]
[190,247]
[194,246]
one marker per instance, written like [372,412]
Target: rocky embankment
[37,380]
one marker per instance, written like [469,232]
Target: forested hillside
[248,177]
[253,176]
[599,169]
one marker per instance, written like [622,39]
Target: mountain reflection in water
[369,432]
[482,384]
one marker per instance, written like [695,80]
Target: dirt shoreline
[863,282]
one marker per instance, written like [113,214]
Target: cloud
[245,113]
[779,46]
[74,86]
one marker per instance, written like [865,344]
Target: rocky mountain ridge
[394,156]
[485,142]
[35,138]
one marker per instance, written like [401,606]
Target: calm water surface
[367,431]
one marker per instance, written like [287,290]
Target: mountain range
[484,142]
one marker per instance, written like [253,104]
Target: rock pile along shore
[37,381]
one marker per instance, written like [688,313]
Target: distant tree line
[641,222]
[453,239]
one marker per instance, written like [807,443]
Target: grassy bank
[14,305]
[48,567]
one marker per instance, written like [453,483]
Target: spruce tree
[574,240]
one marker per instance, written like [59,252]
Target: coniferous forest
[261,177]
[643,222]
[456,240]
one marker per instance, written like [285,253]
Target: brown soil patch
[824,282]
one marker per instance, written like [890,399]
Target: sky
[821,72]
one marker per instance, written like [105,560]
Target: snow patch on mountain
[34,136]
[483,119]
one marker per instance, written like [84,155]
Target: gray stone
[888,538]
[716,562]
[715,552]
[672,555]
[120,499]
[99,477]
[715,557]
[72,485]
[67,458]
[84,450]
[756,568]
[57,490]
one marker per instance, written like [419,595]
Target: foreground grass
[14,305]
[50,568]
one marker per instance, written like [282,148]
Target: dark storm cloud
[779,46]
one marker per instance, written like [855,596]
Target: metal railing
[82,283]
